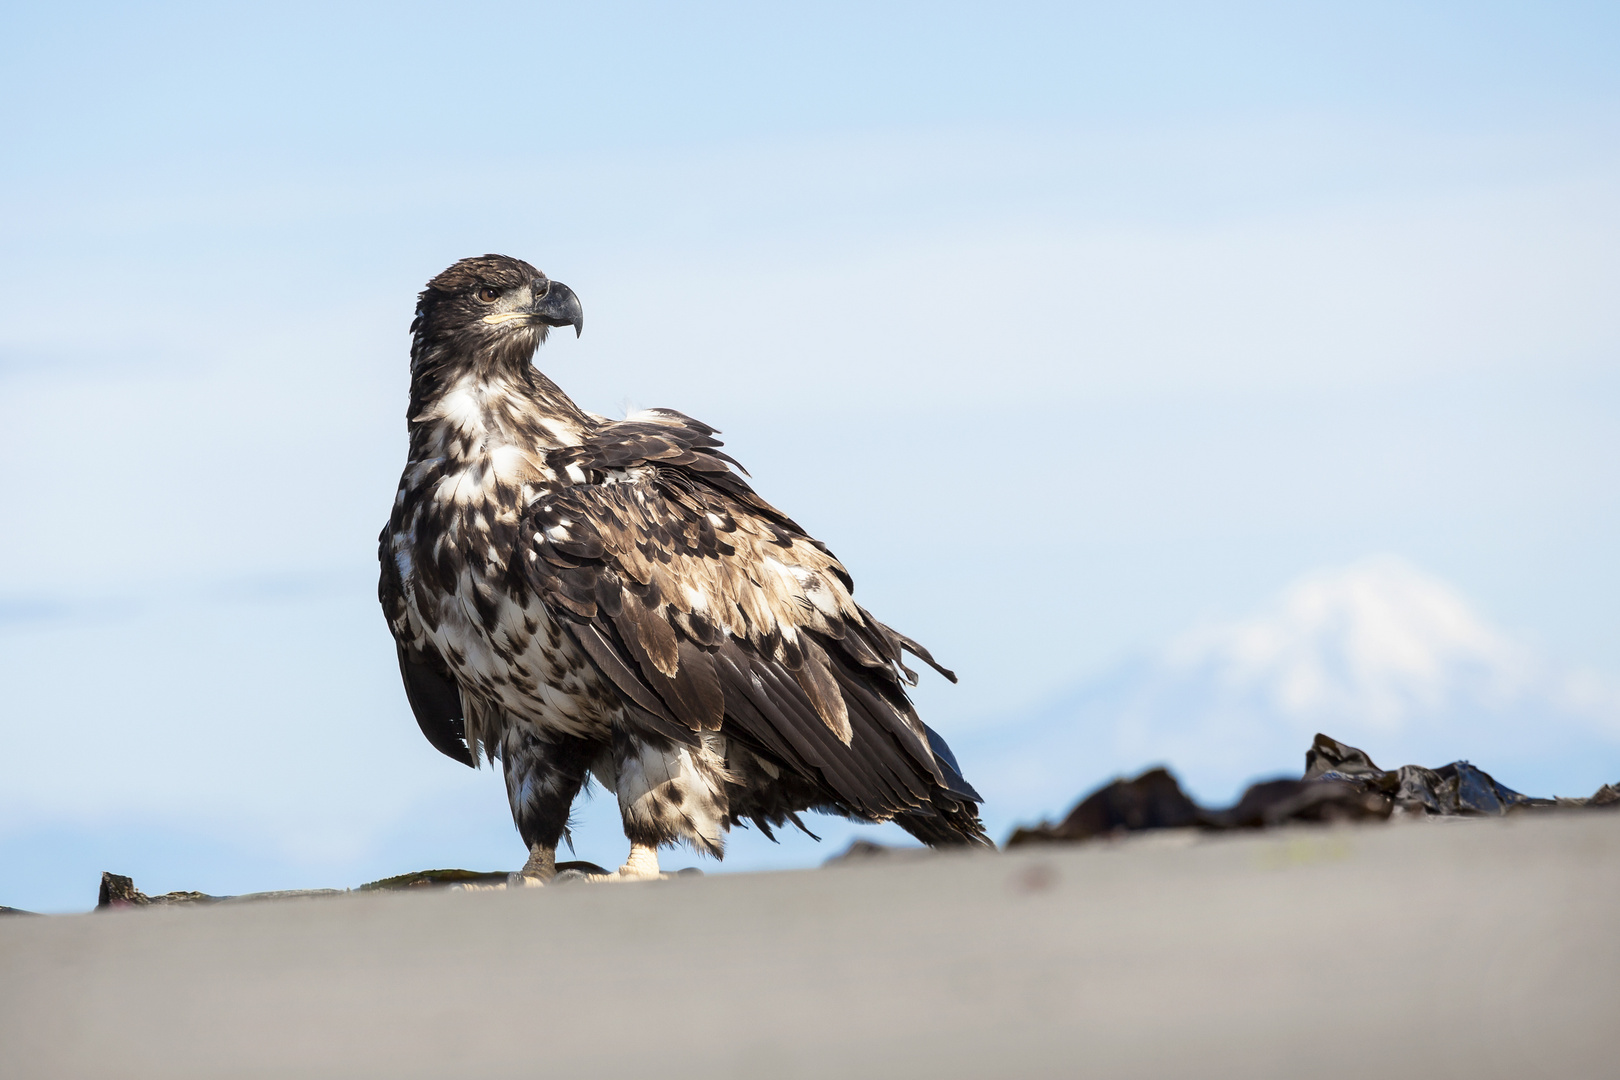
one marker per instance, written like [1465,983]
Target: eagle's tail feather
[952,824]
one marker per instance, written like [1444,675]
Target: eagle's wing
[435,699]
[700,601]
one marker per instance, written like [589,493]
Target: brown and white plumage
[574,594]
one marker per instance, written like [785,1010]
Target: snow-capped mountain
[1377,654]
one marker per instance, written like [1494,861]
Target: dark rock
[1341,783]
[1458,788]
[1153,800]
[118,891]
[1274,802]
[1332,756]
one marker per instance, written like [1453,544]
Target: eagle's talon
[524,880]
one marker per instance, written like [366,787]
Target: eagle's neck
[471,413]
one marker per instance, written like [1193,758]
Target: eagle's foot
[540,868]
[642,865]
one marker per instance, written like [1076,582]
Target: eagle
[576,596]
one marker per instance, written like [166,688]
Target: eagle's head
[493,305]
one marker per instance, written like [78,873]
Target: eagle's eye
[487,295]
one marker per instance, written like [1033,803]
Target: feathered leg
[669,791]
[544,773]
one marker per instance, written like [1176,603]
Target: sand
[1447,949]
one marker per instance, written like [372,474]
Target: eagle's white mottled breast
[474,466]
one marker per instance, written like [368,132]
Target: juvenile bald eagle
[572,595]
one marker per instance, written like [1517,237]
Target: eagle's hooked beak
[558,306]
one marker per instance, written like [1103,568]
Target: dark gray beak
[558,306]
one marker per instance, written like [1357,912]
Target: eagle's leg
[544,773]
[541,863]
[641,865]
[668,791]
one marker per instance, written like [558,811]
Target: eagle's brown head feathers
[492,301]
[481,317]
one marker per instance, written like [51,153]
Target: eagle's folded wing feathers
[701,602]
[433,695]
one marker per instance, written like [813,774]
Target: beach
[1449,948]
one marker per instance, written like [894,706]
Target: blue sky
[1068,328]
